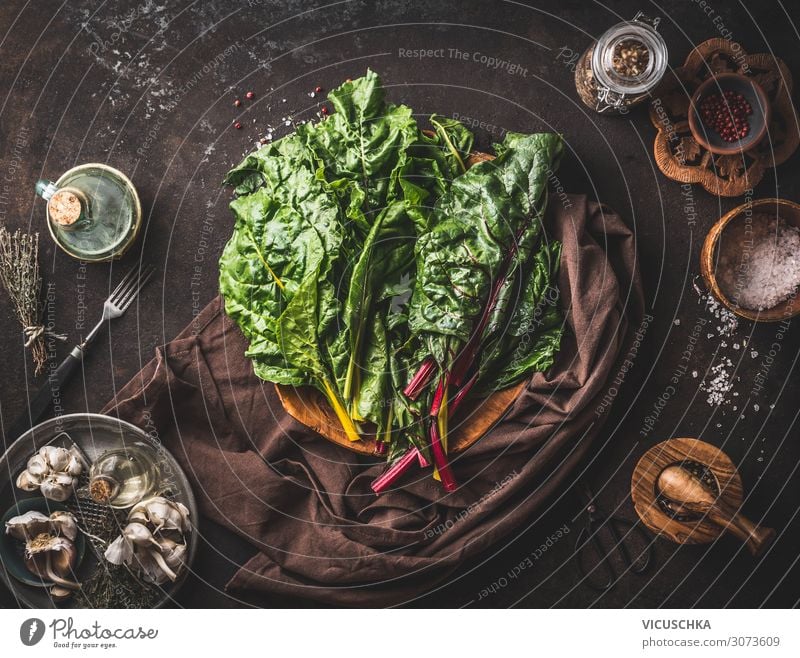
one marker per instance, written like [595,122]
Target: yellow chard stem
[441,421]
[341,412]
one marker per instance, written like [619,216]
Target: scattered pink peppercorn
[323,109]
[237,103]
[237,125]
[249,95]
[317,89]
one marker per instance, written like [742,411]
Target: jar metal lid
[639,29]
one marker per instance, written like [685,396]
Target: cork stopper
[65,207]
[101,490]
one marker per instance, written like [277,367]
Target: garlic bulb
[52,558]
[28,525]
[64,524]
[58,486]
[154,540]
[54,471]
[49,549]
[59,594]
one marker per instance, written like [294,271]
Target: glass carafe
[93,212]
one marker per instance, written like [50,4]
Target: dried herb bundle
[19,273]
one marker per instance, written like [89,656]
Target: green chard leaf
[362,245]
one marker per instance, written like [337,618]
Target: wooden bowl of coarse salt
[750,260]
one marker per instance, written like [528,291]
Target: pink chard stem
[420,380]
[458,398]
[395,471]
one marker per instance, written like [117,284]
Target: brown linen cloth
[306,504]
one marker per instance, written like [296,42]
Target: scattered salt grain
[720,384]
[727,321]
[756,407]
[676,322]
[694,374]
[753,354]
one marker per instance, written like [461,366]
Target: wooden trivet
[680,157]
[644,491]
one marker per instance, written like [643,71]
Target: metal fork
[118,302]
[114,306]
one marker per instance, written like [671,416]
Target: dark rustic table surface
[148,87]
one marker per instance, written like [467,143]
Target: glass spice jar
[622,67]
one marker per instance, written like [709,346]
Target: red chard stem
[395,471]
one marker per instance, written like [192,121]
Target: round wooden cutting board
[309,406]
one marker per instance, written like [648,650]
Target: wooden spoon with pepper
[687,493]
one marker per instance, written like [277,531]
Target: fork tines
[131,284]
